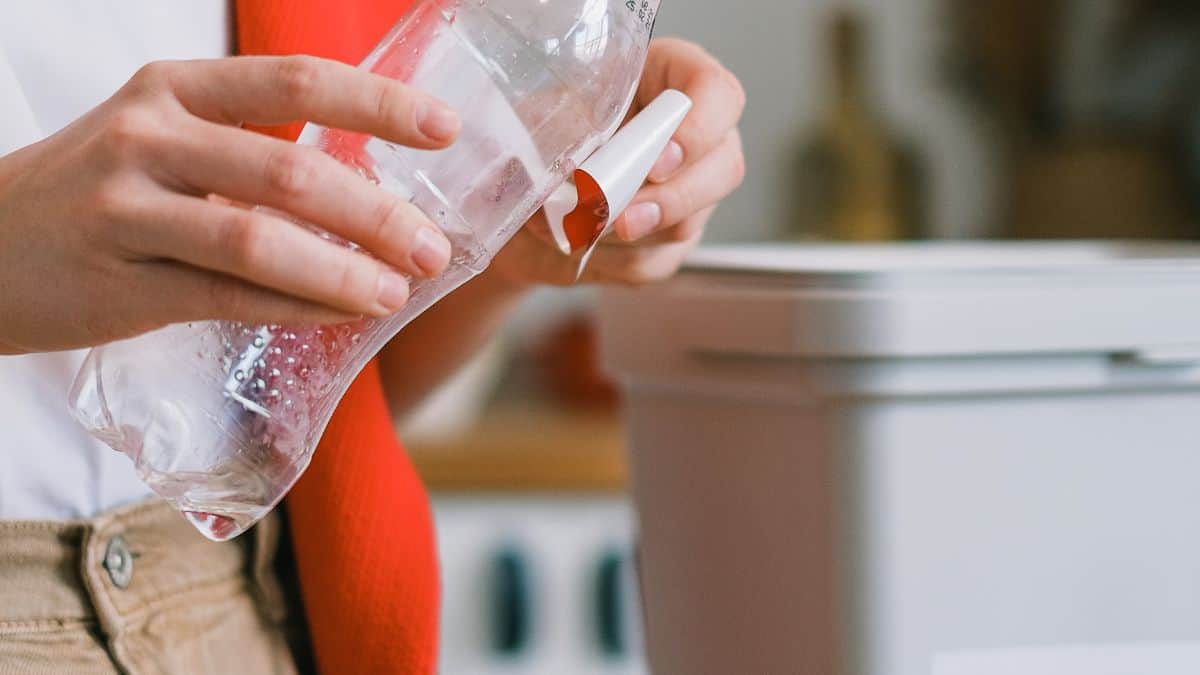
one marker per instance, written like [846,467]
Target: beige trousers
[139,591]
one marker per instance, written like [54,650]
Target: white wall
[777,49]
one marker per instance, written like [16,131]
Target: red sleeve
[361,525]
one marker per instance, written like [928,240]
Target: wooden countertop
[526,448]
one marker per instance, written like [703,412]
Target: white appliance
[538,585]
[941,459]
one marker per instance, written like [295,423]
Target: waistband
[124,565]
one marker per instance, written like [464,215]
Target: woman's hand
[109,228]
[652,238]
[702,165]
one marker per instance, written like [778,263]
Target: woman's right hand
[125,221]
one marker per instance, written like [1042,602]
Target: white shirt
[58,59]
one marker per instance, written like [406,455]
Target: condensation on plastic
[222,418]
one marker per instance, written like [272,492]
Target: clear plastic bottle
[221,418]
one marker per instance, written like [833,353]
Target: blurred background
[873,120]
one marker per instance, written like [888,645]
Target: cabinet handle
[511,603]
[608,605]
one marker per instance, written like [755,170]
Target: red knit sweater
[360,519]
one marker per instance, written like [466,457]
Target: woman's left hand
[701,166]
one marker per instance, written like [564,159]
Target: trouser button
[118,560]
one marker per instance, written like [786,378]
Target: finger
[647,262]
[176,293]
[690,229]
[312,186]
[696,188]
[279,90]
[265,250]
[717,96]
[636,266]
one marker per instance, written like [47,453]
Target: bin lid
[894,263]
[929,299]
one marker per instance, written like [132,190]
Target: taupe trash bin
[916,460]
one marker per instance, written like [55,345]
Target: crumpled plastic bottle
[222,418]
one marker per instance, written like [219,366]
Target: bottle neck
[847,58]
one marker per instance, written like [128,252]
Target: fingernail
[642,219]
[668,162]
[393,291]
[431,251]
[437,121]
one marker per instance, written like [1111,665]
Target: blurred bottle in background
[1154,86]
[857,180]
[1087,96]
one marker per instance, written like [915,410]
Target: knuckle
[110,197]
[734,85]
[128,130]
[738,166]
[695,137]
[679,203]
[699,50]
[289,172]
[671,43]
[152,77]
[387,212]
[243,240]
[691,136]
[688,52]
[355,284]
[300,76]
[388,101]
